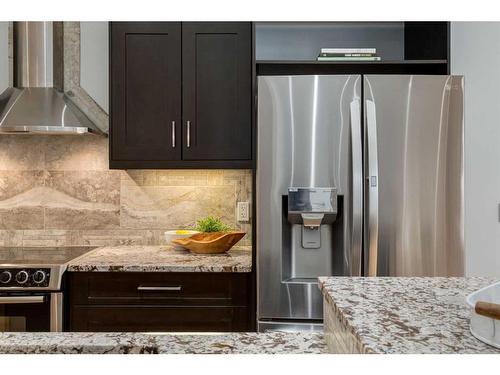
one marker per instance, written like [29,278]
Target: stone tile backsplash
[58,191]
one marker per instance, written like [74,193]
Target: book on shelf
[347,58]
[347,54]
[349,50]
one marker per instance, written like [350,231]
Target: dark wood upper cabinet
[217,87]
[166,75]
[145,91]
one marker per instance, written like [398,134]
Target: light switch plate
[243,211]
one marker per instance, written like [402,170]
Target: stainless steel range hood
[34,105]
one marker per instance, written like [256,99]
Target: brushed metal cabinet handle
[188,130]
[160,288]
[173,134]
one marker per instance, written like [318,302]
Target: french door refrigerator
[356,175]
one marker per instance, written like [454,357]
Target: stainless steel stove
[31,295]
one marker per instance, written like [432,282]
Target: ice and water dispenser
[312,230]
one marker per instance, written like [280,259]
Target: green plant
[211,224]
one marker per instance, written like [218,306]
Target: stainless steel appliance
[31,296]
[384,165]
[414,193]
[307,147]
[34,105]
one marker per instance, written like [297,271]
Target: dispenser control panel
[304,200]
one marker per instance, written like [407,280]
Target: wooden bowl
[210,243]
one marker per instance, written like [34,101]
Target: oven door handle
[21,299]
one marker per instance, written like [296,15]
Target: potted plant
[211,224]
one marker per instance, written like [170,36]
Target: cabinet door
[217,90]
[124,318]
[145,92]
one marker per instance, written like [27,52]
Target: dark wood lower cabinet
[153,301]
[158,318]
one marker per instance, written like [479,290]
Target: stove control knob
[39,277]
[5,277]
[22,277]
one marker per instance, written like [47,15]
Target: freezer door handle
[371,131]
[357,188]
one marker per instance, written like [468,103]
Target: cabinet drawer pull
[188,131]
[159,288]
[173,134]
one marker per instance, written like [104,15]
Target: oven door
[31,313]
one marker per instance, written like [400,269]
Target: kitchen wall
[94,53]
[58,190]
[475,53]
[4,62]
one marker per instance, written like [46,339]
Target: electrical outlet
[243,211]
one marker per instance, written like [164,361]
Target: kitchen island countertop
[400,314]
[176,343]
[161,259]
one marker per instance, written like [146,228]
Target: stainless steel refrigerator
[356,175]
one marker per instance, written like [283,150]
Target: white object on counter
[171,235]
[483,328]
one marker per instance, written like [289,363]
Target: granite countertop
[400,314]
[161,259]
[143,343]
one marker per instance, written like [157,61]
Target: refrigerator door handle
[371,130]
[357,189]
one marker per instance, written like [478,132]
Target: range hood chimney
[34,105]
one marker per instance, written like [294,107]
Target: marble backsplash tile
[159,207]
[58,191]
